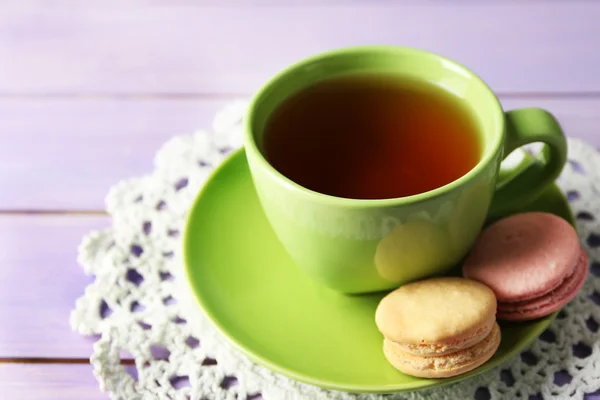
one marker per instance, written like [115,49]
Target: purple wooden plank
[537,46]
[39,282]
[49,382]
[84,147]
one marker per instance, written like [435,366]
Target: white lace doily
[140,311]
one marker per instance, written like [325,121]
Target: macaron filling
[457,344]
[470,357]
[552,300]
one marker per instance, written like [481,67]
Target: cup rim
[251,146]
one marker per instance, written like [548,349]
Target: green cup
[357,246]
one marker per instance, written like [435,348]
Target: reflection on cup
[413,250]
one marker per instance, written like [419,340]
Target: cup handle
[525,126]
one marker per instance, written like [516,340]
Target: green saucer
[267,308]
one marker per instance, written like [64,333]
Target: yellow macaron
[439,327]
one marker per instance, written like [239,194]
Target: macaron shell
[447,365]
[523,256]
[438,311]
[550,302]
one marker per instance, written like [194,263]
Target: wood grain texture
[49,382]
[39,282]
[529,46]
[65,154]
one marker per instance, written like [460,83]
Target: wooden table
[88,94]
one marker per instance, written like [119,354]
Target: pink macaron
[532,261]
